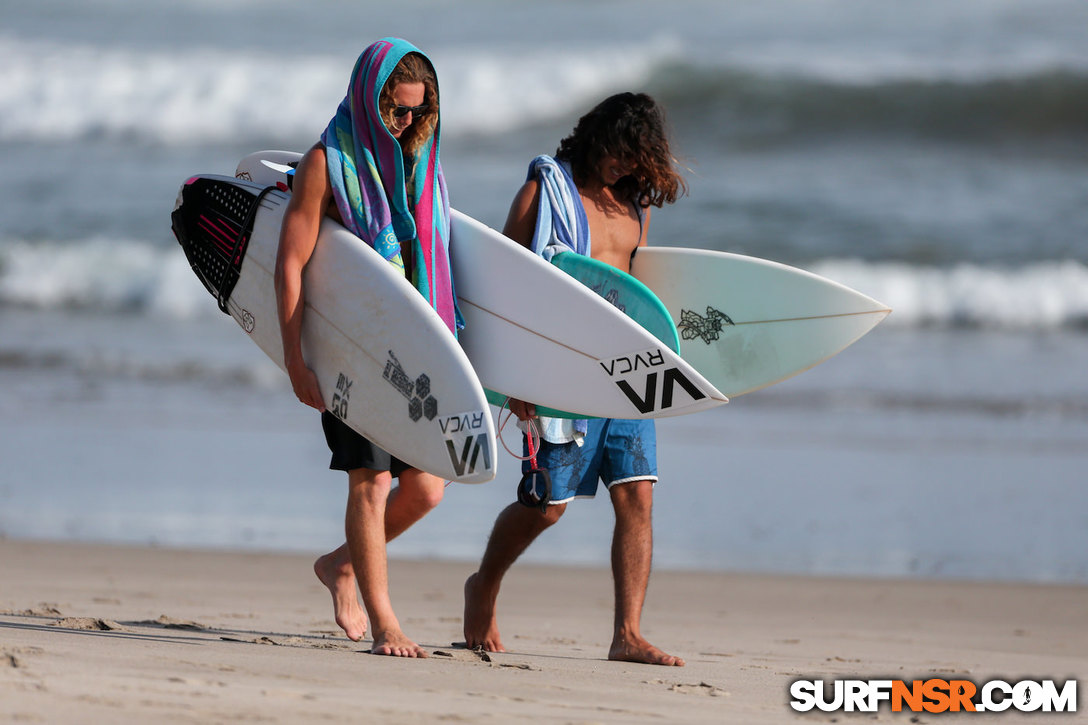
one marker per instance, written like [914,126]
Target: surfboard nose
[747,323]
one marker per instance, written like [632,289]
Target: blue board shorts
[613,451]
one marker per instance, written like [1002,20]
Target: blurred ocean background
[931,154]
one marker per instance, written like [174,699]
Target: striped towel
[561,223]
[367,170]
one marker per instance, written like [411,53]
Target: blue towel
[561,223]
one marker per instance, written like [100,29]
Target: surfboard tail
[387,365]
[213,223]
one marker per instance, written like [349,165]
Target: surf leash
[535,488]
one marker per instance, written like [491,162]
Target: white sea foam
[1044,295]
[101,273]
[501,90]
[130,275]
[876,66]
[56,91]
[62,92]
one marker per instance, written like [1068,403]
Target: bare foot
[639,650]
[395,644]
[481,628]
[335,572]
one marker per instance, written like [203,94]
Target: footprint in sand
[88,623]
[703,688]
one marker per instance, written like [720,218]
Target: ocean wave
[139,277]
[1040,296]
[1043,103]
[869,64]
[64,92]
[102,274]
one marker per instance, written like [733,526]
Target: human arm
[521,219]
[311,195]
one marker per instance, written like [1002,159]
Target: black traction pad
[213,224]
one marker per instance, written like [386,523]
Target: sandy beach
[911,509]
[95,633]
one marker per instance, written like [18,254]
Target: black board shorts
[351,450]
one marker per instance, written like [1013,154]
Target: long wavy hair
[412,68]
[629,127]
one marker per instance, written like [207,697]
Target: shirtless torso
[614,227]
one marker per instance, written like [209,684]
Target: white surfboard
[746,323]
[386,362]
[533,332]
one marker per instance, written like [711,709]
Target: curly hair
[412,68]
[629,127]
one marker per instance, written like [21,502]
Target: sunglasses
[402,111]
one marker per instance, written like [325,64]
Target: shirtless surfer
[613,167]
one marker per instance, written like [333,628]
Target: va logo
[658,379]
[468,457]
[646,402]
[467,442]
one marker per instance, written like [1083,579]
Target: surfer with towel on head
[376,171]
[599,187]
